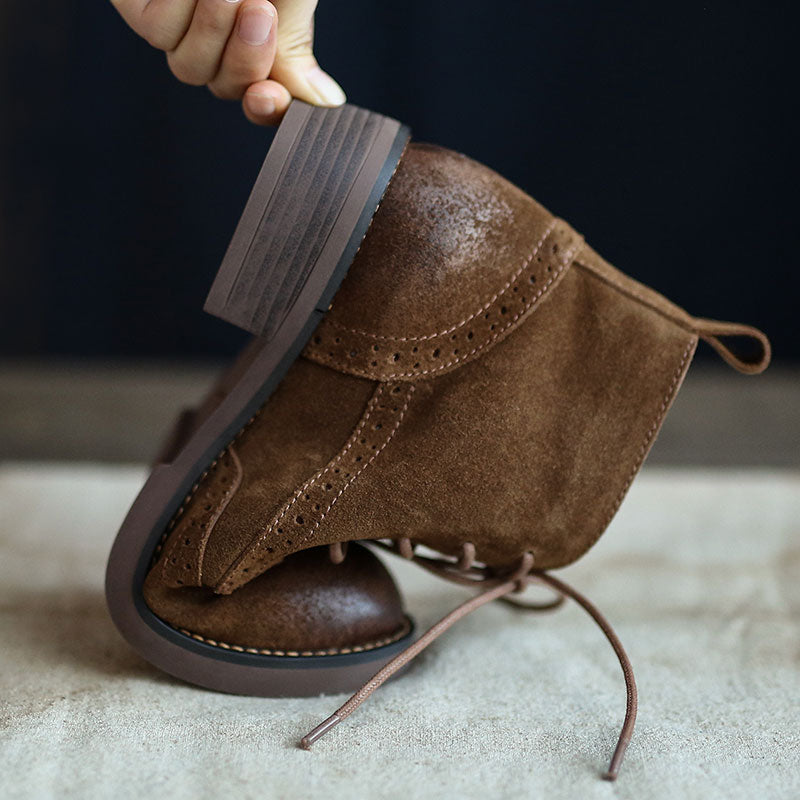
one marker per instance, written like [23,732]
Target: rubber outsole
[311,205]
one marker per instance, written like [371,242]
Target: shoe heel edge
[320,184]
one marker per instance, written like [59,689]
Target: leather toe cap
[305,605]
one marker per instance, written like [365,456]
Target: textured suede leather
[455,259]
[308,605]
[483,376]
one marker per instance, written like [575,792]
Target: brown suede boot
[484,384]
[310,605]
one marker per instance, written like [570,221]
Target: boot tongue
[454,259]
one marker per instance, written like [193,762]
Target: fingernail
[330,93]
[261,104]
[255,25]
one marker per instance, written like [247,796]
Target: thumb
[295,66]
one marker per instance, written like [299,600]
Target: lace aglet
[616,760]
[319,731]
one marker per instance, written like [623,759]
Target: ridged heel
[309,209]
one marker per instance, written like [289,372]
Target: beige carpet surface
[699,572]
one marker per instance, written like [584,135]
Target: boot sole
[311,205]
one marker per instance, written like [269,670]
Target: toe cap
[304,605]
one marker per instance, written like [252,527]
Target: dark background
[660,131]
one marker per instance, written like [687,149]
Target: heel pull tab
[710,330]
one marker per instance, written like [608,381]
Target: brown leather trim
[710,330]
[294,526]
[402,631]
[385,357]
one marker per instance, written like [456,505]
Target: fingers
[295,66]
[265,102]
[162,23]
[130,10]
[238,50]
[196,59]
[249,52]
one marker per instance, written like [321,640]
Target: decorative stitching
[481,310]
[306,501]
[187,547]
[311,481]
[232,489]
[376,374]
[630,291]
[176,517]
[179,513]
[331,651]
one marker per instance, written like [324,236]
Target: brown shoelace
[497,587]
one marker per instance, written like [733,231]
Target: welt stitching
[331,651]
[525,265]
[365,373]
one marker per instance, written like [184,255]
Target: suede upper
[483,376]
[455,259]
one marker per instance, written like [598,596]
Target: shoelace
[464,571]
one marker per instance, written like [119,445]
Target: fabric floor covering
[699,573]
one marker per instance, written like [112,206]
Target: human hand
[253,50]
